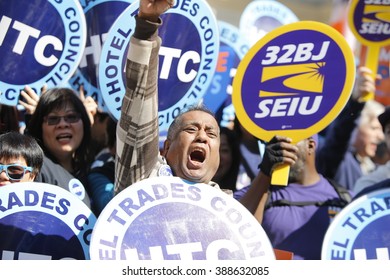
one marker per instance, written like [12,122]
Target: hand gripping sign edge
[297,134]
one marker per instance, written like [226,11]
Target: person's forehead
[65,108]
[19,160]
[199,117]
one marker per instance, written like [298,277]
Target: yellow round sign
[294,81]
[369,21]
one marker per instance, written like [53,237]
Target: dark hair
[172,130]
[14,144]
[230,178]
[101,116]
[237,127]
[57,99]
[384,117]
[9,119]
[111,132]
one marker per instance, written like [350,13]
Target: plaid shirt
[137,153]
[137,132]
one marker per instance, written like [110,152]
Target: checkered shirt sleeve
[137,130]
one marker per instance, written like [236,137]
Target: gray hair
[175,125]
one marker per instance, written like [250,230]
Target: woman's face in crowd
[63,131]
[368,137]
[5,180]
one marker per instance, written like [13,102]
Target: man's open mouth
[198,155]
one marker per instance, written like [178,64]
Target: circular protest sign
[294,81]
[370,21]
[43,222]
[233,47]
[360,231]
[261,17]
[41,42]
[100,15]
[167,218]
[187,62]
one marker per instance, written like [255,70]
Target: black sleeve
[336,142]
[146,30]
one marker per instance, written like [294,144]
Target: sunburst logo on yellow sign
[294,78]
[379,12]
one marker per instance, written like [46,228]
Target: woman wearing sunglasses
[62,127]
[21,158]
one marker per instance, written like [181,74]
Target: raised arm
[137,130]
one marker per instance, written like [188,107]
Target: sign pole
[372,63]
[280,175]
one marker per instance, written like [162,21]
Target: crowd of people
[66,138]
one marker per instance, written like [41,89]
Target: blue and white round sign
[167,218]
[100,15]
[261,17]
[188,58]
[43,222]
[41,42]
[361,230]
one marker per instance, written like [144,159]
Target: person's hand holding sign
[278,151]
[31,98]
[364,84]
[89,103]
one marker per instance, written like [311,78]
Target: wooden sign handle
[279,176]
[372,58]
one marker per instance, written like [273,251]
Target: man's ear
[312,144]
[166,146]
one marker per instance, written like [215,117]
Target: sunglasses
[15,171]
[54,120]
